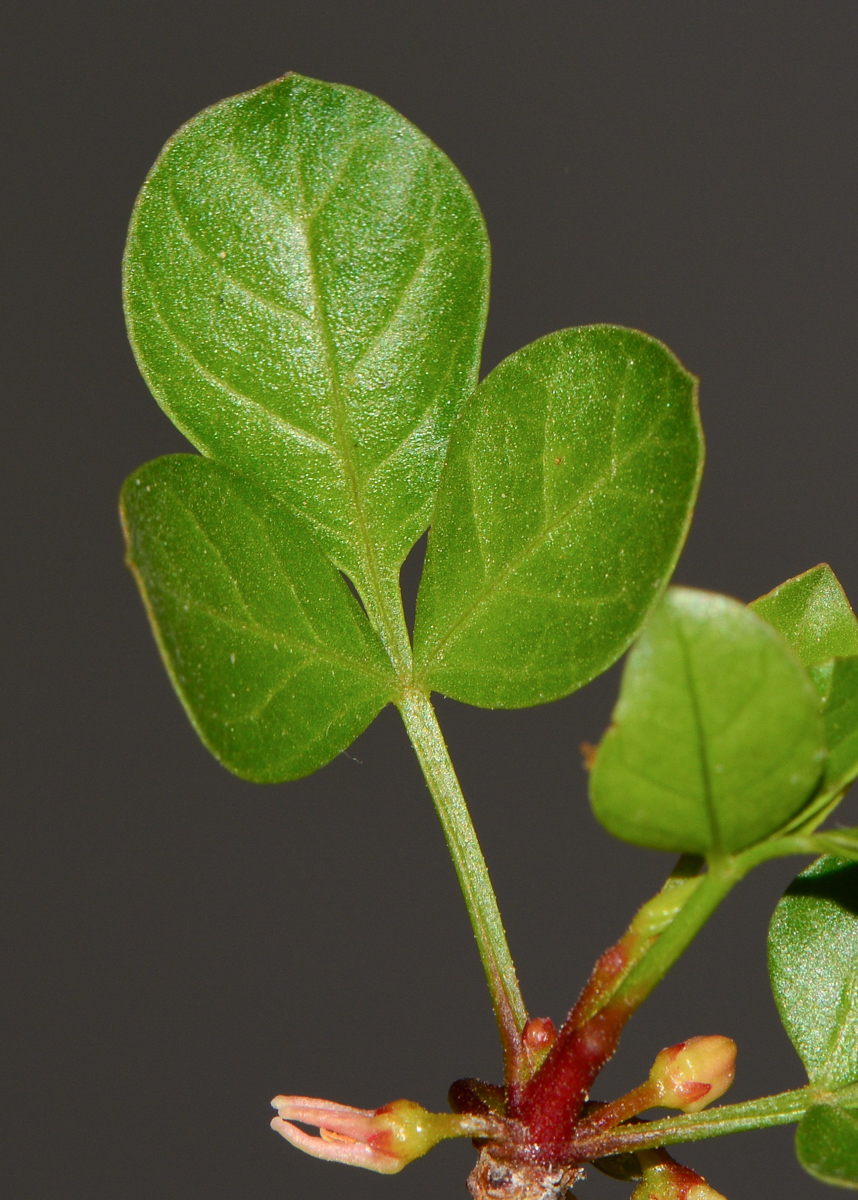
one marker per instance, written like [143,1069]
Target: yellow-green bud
[692,1074]
[666,1179]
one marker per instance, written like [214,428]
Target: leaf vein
[485,595]
[240,398]
[221,269]
[277,638]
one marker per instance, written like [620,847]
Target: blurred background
[178,945]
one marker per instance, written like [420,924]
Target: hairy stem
[782,1109]
[428,741]
[714,886]
[549,1101]
[648,924]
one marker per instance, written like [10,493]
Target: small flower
[384,1139]
[692,1074]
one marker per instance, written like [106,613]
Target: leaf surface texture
[273,658]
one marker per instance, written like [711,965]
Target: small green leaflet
[813,964]
[306,284]
[827,1144]
[565,500]
[272,657]
[814,615]
[811,611]
[716,738]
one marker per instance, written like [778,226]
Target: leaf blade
[565,500]
[306,290]
[812,612]
[274,661]
[813,967]
[840,713]
[716,739]
[826,1143]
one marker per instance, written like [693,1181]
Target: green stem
[648,924]
[782,1109]
[428,741]
[383,602]
[720,879]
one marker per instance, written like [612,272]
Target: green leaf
[306,284]
[274,660]
[811,611]
[813,965]
[827,1144]
[814,615]
[566,497]
[716,738]
[840,713]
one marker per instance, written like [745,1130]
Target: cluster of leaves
[306,288]
[735,736]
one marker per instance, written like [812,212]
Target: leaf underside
[306,283]
[565,500]
[716,738]
[273,658]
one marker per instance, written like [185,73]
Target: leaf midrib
[702,741]
[344,440]
[845,1007]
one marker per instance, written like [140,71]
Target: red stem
[550,1103]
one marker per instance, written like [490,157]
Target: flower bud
[692,1074]
[665,1188]
[384,1139]
[666,1179]
[538,1036]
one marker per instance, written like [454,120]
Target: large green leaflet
[275,661]
[813,963]
[306,284]
[565,500]
[812,612]
[716,738]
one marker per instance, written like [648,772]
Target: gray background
[179,945]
